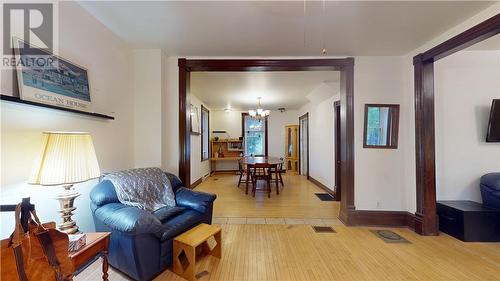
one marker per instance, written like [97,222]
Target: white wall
[321,132]
[109,60]
[277,122]
[199,168]
[148,108]
[379,173]
[465,84]
[170,124]
[226,121]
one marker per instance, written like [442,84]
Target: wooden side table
[185,248]
[96,243]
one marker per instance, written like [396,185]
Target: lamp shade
[65,158]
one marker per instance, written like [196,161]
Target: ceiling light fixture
[227,109]
[259,112]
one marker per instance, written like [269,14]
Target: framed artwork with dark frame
[381,126]
[195,120]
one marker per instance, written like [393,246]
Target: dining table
[269,161]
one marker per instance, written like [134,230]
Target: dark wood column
[184,124]
[347,141]
[425,216]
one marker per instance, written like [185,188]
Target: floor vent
[325,197]
[389,236]
[324,229]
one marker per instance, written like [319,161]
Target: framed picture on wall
[195,120]
[45,78]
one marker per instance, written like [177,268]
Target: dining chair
[260,171]
[242,170]
[278,172]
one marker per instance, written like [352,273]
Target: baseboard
[224,171]
[381,218]
[196,183]
[322,186]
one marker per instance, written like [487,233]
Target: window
[255,135]
[205,133]
[381,126]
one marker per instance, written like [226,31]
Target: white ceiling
[276,28]
[239,90]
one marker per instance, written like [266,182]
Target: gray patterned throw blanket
[145,188]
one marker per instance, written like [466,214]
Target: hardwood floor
[258,250]
[296,199]
[284,252]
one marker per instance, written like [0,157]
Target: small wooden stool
[185,247]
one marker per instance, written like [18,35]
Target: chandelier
[259,112]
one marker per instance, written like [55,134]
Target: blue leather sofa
[141,242]
[490,190]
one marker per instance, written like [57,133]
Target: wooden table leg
[248,178]
[105,265]
[277,181]
[217,250]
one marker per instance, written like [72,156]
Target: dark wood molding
[184,124]
[382,218]
[269,65]
[42,105]
[471,36]
[425,148]
[346,68]
[196,183]
[425,219]
[347,142]
[305,116]
[322,186]
[337,151]
[204,109]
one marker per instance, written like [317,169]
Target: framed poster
[45,78]
[195,120]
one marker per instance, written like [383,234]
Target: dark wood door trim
[346,68]
[305,116]
[337,151]
[425,215]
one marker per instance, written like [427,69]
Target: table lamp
[65,158]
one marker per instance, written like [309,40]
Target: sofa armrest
[198,201]
[128,219]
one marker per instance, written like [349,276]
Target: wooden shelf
[225,159]
[32,103]
[225,141]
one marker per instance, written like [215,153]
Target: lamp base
[66,201]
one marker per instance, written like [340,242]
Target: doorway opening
[344,66]
[337,145]
[304,145]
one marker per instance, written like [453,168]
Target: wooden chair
[260,171]
[279,177]
[242,170]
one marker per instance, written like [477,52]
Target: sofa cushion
[491,180]
[165,213]
[180,223]
[195,200]
[104,193]
[128,219]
